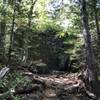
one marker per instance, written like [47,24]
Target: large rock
[64,62]
[39,67]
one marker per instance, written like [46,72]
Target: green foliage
[61,25]
[10,82]
[54,32]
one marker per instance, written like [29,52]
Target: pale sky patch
[56,4]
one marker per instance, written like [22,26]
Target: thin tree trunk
[96,19]
[12,35]
[90,61]
[2,40]
[25,57]
[97,24]
[2,32]
[31,12]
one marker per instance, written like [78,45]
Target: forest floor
[54,86]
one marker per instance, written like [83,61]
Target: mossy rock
[42,68]
[39,68]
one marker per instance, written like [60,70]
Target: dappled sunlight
[49,50]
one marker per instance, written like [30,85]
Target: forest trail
[54,87]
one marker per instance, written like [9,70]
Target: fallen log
[3,72]
[28,89]
[32,88]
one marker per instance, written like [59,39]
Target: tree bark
[96,18]
[12,35]
[25,57]
[97,24]
[31,12]
[2,32]
[91,67]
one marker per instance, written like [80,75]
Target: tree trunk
[90,61]
[31,12]
[2,33]
[2,40]
[25,56]
[96,19]
[12,35]
[97,24]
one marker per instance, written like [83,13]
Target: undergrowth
[9,82]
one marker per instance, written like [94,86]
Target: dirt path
[58,87]
[54,86]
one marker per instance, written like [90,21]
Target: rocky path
[58,87]
[54,86]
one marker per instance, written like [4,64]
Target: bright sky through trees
[55,5]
